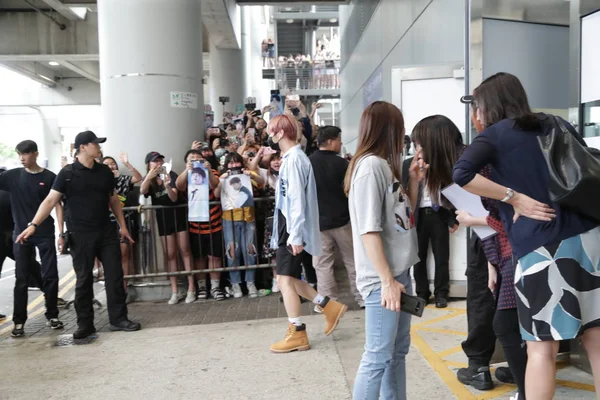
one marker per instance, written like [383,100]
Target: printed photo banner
[198,203]
[236,192]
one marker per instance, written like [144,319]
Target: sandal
[217,294]
[203,294]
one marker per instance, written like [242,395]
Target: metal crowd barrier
[320,75]
[147,255]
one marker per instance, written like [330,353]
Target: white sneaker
[275,288]
[237,291]
[191,297]
[252,292]
[174,299]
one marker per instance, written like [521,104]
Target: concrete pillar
[226,79]
[151,57]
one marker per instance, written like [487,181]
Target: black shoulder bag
[574,171]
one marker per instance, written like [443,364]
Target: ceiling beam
[34,71]
[80,71]
[62,9]
[49,57]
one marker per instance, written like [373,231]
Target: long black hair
[441,142]
[502,96]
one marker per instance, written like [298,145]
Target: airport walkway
[209,350]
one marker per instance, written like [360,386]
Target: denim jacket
[296,197]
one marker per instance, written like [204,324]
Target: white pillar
[149,49]
[226,79]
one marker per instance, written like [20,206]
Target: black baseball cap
[468,99]
[87,137]
[153,156]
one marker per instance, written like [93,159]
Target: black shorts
[171,220]
[287,264]
[203,245]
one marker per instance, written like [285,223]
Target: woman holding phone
[385,247]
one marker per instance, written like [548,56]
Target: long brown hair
[381,133]
[440,140]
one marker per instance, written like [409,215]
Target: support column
[151,55]
[226,79]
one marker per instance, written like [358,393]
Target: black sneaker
[126,326]
[2,317]
[441,302]
[18,331]
[478,377]
[504,375]
[82,333]
[54,323]
[60,302]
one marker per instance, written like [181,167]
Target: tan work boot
[295,339]
[333,311]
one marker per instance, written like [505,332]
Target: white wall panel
[590,58]
[400,33]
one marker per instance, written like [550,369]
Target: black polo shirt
[27,192]
[87,194]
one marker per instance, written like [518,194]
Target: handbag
[574,170]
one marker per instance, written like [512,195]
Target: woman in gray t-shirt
[385,247]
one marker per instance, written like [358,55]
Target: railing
[304,9]
[147,255]
[320,75]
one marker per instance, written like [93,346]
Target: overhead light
[333,20]
[54,63]
[46,78]
[289,21]
[288,9]
[81,12]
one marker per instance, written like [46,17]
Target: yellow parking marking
[575,385]
[41,310]
[438,365]
[444,331]
[439,319]
[450,351]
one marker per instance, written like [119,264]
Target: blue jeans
[240,241]
[382,370]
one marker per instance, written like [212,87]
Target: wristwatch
[509,195]
[32,224]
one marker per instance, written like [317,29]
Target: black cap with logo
[153,156]
[87,137]
[468,99]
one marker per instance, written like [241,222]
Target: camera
[250,106]
[295,111]
[251,154]
[223,142]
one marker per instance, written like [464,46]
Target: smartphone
[214,131]
[251,131]
[412,305]
[162,170]
[294,97]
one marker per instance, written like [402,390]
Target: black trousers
[309,270]
[7,251]
[24,253]
[506,327]
[481,340]
[433,227]
[85,247]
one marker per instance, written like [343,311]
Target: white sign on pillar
[184,100]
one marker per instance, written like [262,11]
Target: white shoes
[515,397]
[174,299]
[191,297]
[252,291]
[237,291]
[275,288]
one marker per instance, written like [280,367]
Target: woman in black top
[172,222]
[557,278]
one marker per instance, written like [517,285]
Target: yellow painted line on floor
[443,331]
[497,391]
[439,366]
[450,351]
[456,364]
[575,385]
[41,310]
[437,319]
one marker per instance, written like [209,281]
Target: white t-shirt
[377,204]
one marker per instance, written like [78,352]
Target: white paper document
[471,203]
